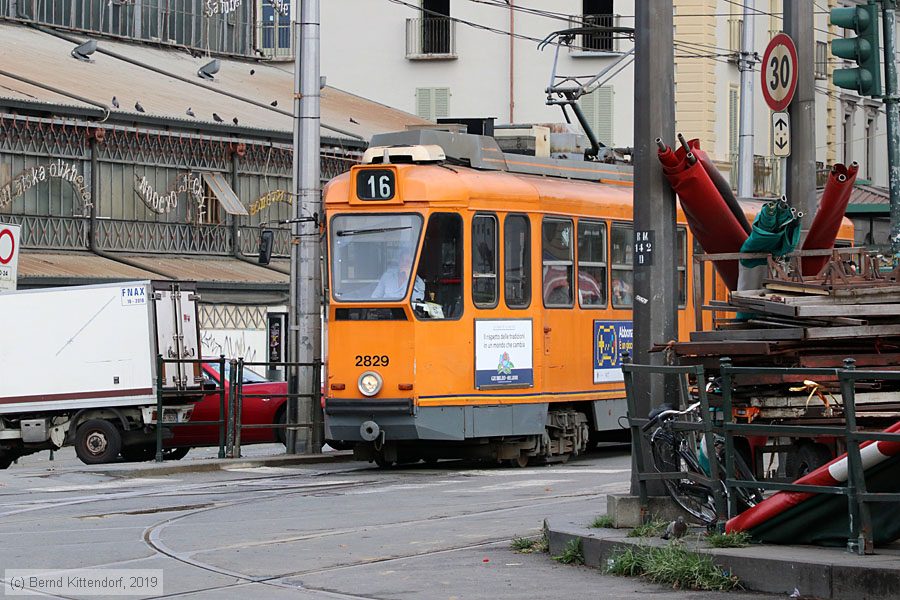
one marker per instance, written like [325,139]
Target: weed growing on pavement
[652,528]
[673,565]
[602,521]
[524,545]
[572,554]
[738,539]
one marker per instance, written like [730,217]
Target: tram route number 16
[375,184]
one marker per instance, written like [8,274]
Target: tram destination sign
[375,184]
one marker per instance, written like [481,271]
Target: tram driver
[394,280]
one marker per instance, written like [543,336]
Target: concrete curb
[826,573]
[152,469]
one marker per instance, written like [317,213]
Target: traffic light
[866,78]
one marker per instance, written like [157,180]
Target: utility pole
[745,150]
[801,164]
[306,286]
[656,283]
[888,18]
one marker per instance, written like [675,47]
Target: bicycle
[678,451]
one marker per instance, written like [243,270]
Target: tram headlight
[369,383]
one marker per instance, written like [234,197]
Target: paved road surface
[346,531]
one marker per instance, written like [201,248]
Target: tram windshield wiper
[347,232]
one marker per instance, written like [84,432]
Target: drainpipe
[92,236]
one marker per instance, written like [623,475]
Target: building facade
[162,154]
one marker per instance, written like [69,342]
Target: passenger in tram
[394,280]
[622,292]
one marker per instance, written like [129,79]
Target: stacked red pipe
[719,227]
[824,229]
[833,474]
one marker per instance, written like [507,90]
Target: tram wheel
[520,461]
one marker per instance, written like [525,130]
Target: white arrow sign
[781,134]
[9,256]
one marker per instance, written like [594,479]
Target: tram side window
[622,276]
[591,264]
[558,262]
[484,261]
[681,240]
[517,261]
[440,267]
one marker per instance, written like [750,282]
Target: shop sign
[32,176]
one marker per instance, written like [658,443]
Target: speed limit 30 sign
[779,72]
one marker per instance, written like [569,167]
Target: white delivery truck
[78,365]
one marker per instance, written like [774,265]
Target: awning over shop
[40,269]
[208,269]
[224,194]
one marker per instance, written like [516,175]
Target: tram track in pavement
[153,538]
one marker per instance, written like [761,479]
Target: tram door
[558,298]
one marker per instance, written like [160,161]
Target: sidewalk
[827,573]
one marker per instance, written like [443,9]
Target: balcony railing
[600,41]
[168,238]
[51,233]
[430,38]
[768,177]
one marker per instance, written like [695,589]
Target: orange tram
[479,302]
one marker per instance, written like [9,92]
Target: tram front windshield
[372,256]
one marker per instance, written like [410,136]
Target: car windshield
[249,376]
[372,256]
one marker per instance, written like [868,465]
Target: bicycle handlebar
[669,413]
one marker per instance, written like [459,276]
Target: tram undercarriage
[565,434]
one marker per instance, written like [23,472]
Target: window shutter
[432,103]
[598,110]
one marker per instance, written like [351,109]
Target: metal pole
[238,407]
[307,171]
[293,319]
[159,406]
[655,284]
[801,164]
[229,434]
[745,149]
[222,416]
[888,17]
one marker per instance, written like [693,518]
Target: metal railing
[860,533]
[599,41]
[292,422]
[431,37]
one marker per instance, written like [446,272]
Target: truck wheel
[98,442]
[804,458]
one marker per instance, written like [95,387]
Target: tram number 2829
[372,360]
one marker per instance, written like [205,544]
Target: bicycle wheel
[746,497]
[695,498]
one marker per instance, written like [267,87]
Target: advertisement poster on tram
[503,353]
[611,339]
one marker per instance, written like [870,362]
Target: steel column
[656,284]
[801,164]
[889,18]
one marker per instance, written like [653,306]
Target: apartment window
[484,261]
[821,70]
[274,38]
[598,13]
[517,261]
[436,26]
[622,248]
[558,262]
[433,103]
[871,129]
[734,121]
[598,110]
[591,264]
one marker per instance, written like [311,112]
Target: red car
[264,410]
